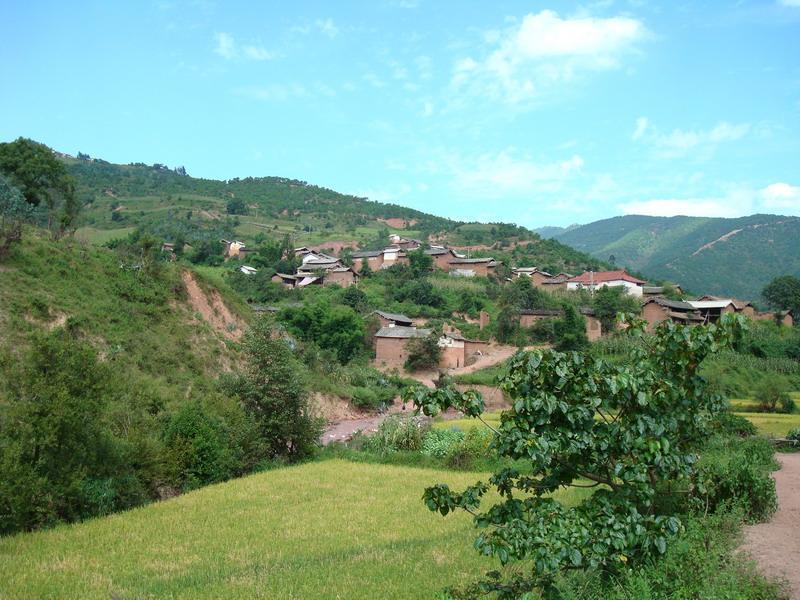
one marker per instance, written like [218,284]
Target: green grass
[772,424]
[101,236]
[331,529]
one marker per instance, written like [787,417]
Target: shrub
[196,451]
[794,434]
[441,442]
[772,396]
[728,423]
[423,353]
[364,397]
[474,446]
[737,472]
[398,433]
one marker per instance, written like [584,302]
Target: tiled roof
[471,261]
[393,316]
[674,304]
[367,253]
[589,277]
[402,332]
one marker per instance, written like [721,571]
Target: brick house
[391,344]
[655,310]
[458,351]
[556,282]
[712,310]
[536,276]
[739,306]
[373,258]
[472,267]
[441,257]
[592,280]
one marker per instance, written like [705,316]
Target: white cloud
[327,27]
[498,174]
[699,143]
[792,3]
[544,50]
[228,49]
[427,108]
[641,126]
[782,196]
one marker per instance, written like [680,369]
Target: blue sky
[530,112]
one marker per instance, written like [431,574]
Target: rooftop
[402,332]
[393,316]
[594,277]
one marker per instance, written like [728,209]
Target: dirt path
[775,546]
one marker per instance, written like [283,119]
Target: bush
[441,442]
[473,447]
[736,472]
[423,353]
[397,433]
[196,449]
[772,396]
[730,424]
[794,434]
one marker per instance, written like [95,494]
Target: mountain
[550,231]
[174,206]
[728,257]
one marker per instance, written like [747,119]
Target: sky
[537,113]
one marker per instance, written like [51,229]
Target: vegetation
[683,249]
[43,181]
[423,352]
[783,293]
[628,429]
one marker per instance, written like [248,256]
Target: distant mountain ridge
[730,257]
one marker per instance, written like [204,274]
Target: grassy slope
[146,328]
[310,215]
[332,529]
[667,248]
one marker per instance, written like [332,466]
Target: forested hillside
[177,207]
[732,257]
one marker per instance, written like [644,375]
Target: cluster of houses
[391,342]
[319,268]
[655,307]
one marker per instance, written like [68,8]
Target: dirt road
[775,545]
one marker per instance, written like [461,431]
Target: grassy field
[330,529]
[768,424]
[101,236]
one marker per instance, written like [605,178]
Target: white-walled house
[592,280]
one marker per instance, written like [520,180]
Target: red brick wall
[653,313]
[391,351]
[344,278]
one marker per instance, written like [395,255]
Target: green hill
[119,198]
[729,257]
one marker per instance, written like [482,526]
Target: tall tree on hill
[14,211]
[272,391]
[783,293]
[43,181]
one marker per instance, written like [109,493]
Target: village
[391,340]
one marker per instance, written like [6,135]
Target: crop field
[331,529]
[768,424]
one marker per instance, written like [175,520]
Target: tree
[14,212]
[43,181]
[272,390]
[570,330]
[609,301]
[332,327]
[420,263]
[236,206]
[56,451]
[628,431]
[423,352]
[783,293]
